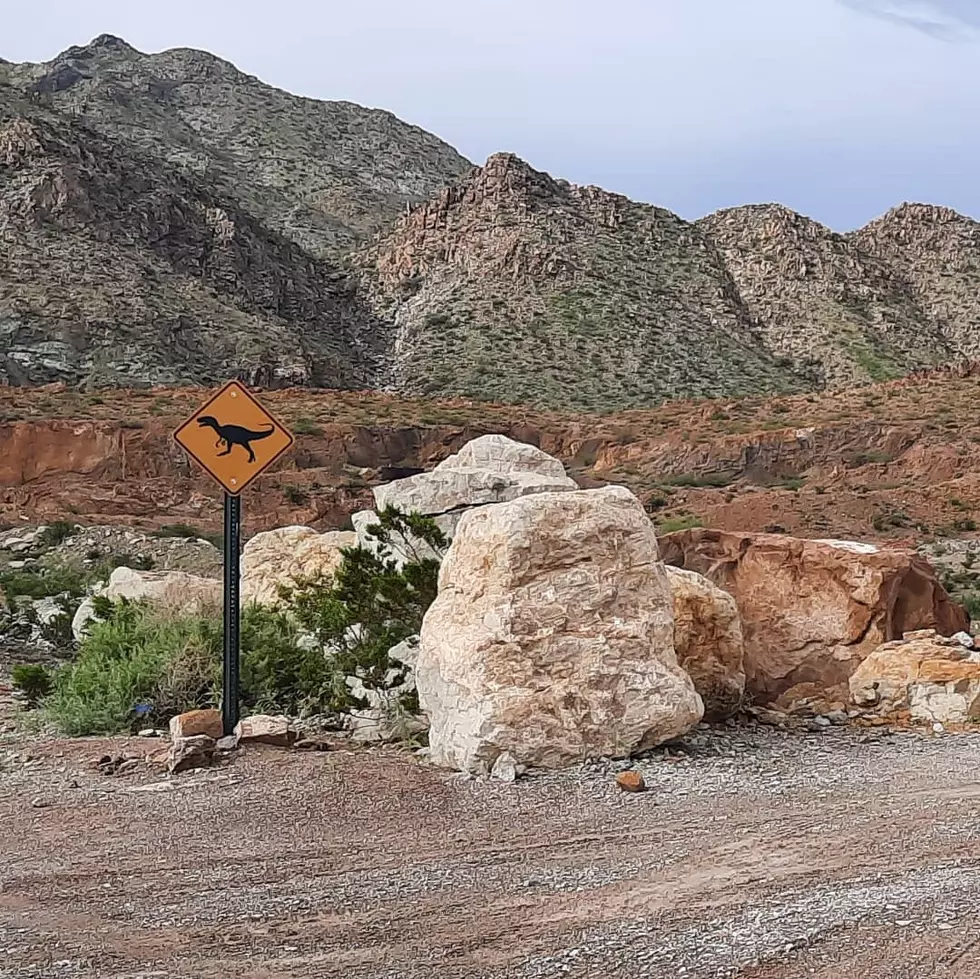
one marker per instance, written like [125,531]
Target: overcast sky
[837,108]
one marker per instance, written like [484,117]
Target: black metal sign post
[231,420]
[229,685]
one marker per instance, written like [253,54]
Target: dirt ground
[757,853]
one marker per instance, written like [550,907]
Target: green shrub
[44,583]
[371,604]
[679,523]
[306,426]
[715,479]
[33,680]
[56,533]
[137,655]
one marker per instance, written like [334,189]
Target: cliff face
[894,461]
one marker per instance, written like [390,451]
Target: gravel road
[760,854]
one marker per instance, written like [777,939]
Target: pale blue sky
[837,108]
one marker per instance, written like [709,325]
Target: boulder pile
[813,610]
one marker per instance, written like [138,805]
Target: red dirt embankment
[898,460]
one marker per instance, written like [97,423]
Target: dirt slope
[897,461]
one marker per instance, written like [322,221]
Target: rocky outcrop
[812,610]
[175,591]
[708,641]
[551,638]
[489,469]
[924,676]
[277,558]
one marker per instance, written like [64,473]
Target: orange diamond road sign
[233,437]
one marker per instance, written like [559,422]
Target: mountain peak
[103,44]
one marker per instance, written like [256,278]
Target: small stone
[504,768]
[821,720]
[631,781]
[148,732]
[228,743]
[128,767]
[39,803]
[188,753]
[312,744]
[938,728]
[964,639]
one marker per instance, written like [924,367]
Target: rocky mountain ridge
[186,222]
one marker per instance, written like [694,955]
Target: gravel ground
[755,852]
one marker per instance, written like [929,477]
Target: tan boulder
[708,641]
[194,722]
[265,729]
[812,610]
[278,557]
[174,591]
[551,637]
[935,679]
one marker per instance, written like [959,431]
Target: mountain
[168,219]
[936,251]
[512,286]
[824,297]
[116,273]
[325,174]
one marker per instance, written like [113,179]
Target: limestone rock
[173,590]
[812,610]
[194,722]
[708,641]
[278,557]
[552,636]
[935,679]
[488,469]
[265,729]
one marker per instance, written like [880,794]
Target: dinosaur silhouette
[231,435]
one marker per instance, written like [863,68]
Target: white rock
[173,590]
[278,557]
[552,636]
[505,768]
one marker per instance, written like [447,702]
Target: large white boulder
[551,638]
[488,469]
[278,557]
